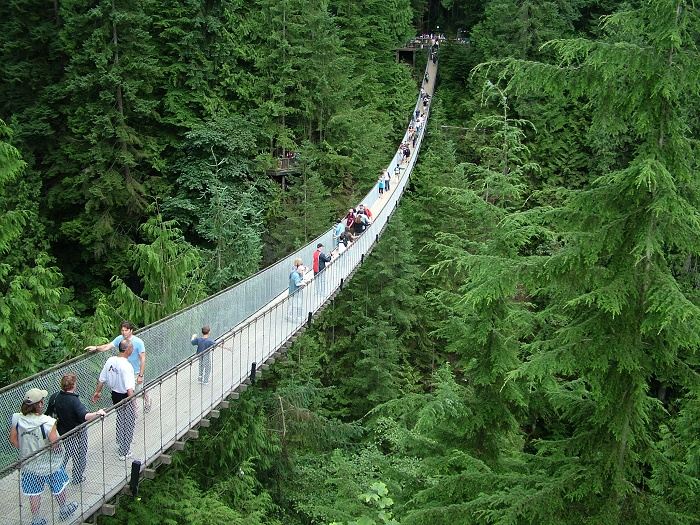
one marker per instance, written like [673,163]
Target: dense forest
[520,347]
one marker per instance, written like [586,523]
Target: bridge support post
[308,322]
[341,283]
[135,475]
[253,368]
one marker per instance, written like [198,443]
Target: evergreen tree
[221,196]
[169,269]
[214,480]
[307,212]
[517,29]
[273,66]
[375,342]
[31,64]
[31,291]
[232,223]
[99,190]
[205,54]
[500,173]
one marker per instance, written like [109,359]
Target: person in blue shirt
[296,281]
[337,232]
[203,344]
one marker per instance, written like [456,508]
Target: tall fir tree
[221,196]
[99,192]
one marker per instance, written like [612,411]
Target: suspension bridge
[254,325]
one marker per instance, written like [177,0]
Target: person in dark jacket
[71,413]
[320,259]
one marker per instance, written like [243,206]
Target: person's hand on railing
[92,415]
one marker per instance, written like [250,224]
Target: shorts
[137,386]
[33,484]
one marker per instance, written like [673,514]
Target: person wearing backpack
[31,430]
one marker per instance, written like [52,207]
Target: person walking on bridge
[387,180]
[30,431]
[364,210]
[203,345]
[119,376]
[320,259]
[350,217]
[338,230]
[71,413]
[137,358]
[296,281]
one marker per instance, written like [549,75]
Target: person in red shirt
[364,209]
[320,259]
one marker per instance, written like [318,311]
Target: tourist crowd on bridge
[348,228]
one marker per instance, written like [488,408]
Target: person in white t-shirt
[119,376]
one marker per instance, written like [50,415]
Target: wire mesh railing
[253,320]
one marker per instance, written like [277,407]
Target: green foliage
[607,317]
[325,487]
[233,223]
[169,269]
[372,339]
[221,197]
[31,64]
[377,496]
[110,85]
[177,500]
[11,165]
[205,51]
[518,29]
[30,289]
[500,174]
[214,479]
[239,443]
[307,212]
